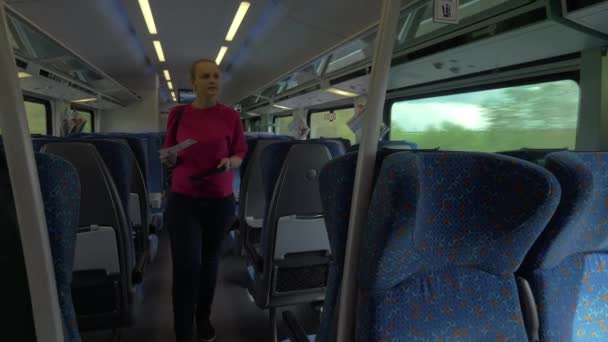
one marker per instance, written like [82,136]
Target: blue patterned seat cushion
[454,226]
[572,299]
[566,267]
[60,188]
[452,304]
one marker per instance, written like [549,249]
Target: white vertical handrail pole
[27,196]
[381,65]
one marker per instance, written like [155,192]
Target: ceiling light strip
[220,55]
[146,10]
[85,100]
[159,50]
[238,19]
[342,92]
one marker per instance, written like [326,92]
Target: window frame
[253,122]
[47,108]
[483,86]
[80,108]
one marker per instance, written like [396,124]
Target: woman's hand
[230,163]
[169,159]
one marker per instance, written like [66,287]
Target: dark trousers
[197,228]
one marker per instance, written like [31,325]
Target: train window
[542,115]
[87,116]
[281,124]
[38,116]
[332,124]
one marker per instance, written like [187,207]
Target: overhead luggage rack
[45,65]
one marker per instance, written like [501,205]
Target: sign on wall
[446,11]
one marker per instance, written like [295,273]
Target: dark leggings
[197,228]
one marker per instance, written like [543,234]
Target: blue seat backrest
[155,168]
[336,183]
[347,144]
[60,188]
[567,265]
[389,143]
[445,234]
[252,143]
[138,145]
[118,159]
[38,143]
[275,154]
[532,155]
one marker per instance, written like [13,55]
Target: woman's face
[207,77]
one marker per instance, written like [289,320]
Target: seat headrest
[580,224]
[532,155]
[436,210]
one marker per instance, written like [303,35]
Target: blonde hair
[199,61]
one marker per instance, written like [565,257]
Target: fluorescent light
[238,19]
[147,12]
[85,100]
[173,96]
[167,75]
[341,92]
[221,55]
[23,74]
[170,85]
[281,107]
[159,50]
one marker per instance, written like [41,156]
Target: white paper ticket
[176,148]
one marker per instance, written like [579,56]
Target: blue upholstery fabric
[155,168]
[532,155]
[445,234]
[236,182]
[572,299]
[60,187]
[336,185]
[566,267]
[389,143]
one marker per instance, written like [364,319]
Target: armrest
[296,332]
[528,305]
